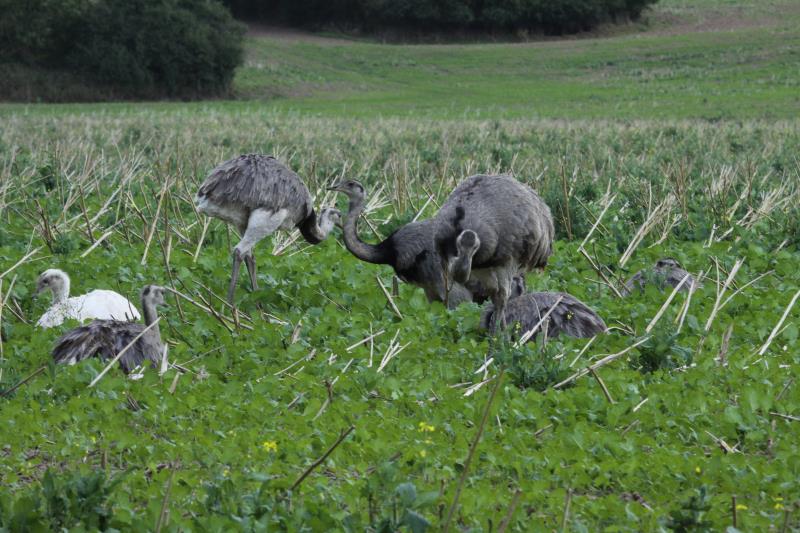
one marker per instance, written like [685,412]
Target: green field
[699,428]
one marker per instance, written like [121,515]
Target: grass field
[228,438]
[627,132]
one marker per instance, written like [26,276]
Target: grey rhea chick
[259,195]
[490,229]
[666,272]
[409,250]
[106,338]
[570,316]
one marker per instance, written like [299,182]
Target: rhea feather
[97,304]
[106,338]
[492,228]
[570,316]
[259,195]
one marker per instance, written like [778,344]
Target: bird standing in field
[101,304]
[667,271]
[106,338]
[409,250]
[490,229]
[570,316]
[259,195]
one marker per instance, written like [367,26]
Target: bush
[562,16]
[139,47]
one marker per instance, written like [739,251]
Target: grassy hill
[712,59]
[718,60]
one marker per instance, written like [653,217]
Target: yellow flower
[778,499]
[423,453]
[426,428]
[94,440]
[226,472]
[778,506]
[741,507]
[270,445]
[697,470]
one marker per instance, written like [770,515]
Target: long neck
[62,293]
[366,252]
[309,229]
[150,316]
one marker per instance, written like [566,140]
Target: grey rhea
[259,195]
[490,229]
[666,272]
[106,338]
[570,316]
[409,250]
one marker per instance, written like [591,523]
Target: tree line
[545,16]
[140,48]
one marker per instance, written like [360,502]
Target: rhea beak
[336,187]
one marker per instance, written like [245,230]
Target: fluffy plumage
[106,338]
[491,228]
[666,272]
[259,195]
[97,304]
[570,317]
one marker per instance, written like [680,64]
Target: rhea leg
[260,224]
[250,262]
[499,299]
[237,263]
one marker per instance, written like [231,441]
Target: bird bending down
[409,250]
[570,316]
[667,271]
[491,229]
[99,303]
[106,338]
[259,195]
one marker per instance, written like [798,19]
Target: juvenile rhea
[570,316]
[258,195]
[106,338]
[666,272]
[97,304]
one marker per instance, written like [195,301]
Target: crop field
[324,404]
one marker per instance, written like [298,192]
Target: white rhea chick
[97,304]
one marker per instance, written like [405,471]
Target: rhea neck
[310,230]
[61,291]
[150,314]
[362,250]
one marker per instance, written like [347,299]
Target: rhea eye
[46,282]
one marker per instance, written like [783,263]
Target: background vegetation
[139,48]
[419,16]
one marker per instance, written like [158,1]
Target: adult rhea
[259,195]
[492,228]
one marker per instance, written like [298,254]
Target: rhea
[490,229]
[569,315]
[259,195]
[409,250]
[666,272]
[106,338]
[99,303]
